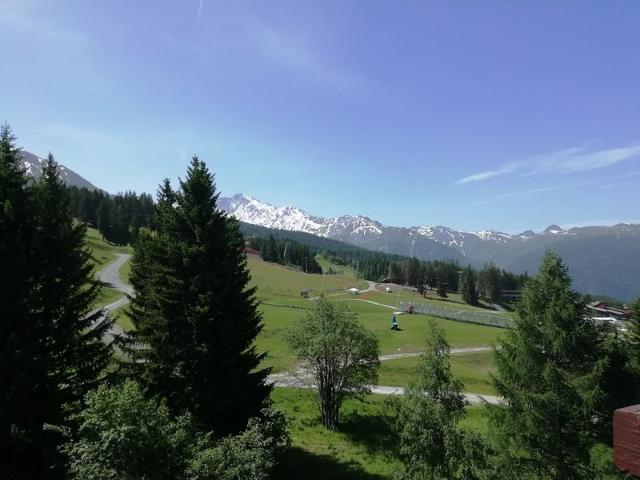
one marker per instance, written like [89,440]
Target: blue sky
[476,115]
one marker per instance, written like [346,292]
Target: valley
[359,449]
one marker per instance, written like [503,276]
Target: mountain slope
[602,260]
[33,166]
[604,264]
[354,229]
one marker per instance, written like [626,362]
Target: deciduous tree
[340,353]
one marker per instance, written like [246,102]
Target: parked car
[388,289]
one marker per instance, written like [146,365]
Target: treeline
[443,276]
[118,218]
[368,264]
[489,283]
[286,252]
[185,398]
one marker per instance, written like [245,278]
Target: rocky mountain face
[602,260]
[33,166]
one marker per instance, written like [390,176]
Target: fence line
[459,315]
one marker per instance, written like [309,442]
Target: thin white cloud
[618,185]
[477,177]
[199,12]
[569,160]
[520,193]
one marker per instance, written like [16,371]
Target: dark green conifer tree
[194,311]
[51,351]
[549,372]
[18,375]
[272,250]
[468,286]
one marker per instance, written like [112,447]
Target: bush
[124,436]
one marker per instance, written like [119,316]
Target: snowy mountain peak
[493,235]
[553,230]
[250,210]
[33,168]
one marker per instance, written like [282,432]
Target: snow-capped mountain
[355,229]
[602,259]
[248,209]
[364,231]
[33,167]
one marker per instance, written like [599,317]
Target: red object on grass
[626,439]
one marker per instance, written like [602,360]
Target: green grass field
[411,338]
[472,369]
[277,282]
[279,290]
[364,447]
[338,269]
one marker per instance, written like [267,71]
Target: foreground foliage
[432,444]
[125,436]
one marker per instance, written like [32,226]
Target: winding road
[109,277]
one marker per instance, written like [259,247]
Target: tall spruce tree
[20,455]
[194,310]
[51,351]
[549,373]
[71,330]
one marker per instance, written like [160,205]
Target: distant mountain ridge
[601,259]
[33,167]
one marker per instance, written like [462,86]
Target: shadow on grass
[374,432]
[297,463]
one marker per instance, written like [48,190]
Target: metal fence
[466,316]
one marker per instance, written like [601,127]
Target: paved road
[453,351]
[109,276]
[293,381]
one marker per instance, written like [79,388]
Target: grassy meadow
[472,369]
[364,446]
